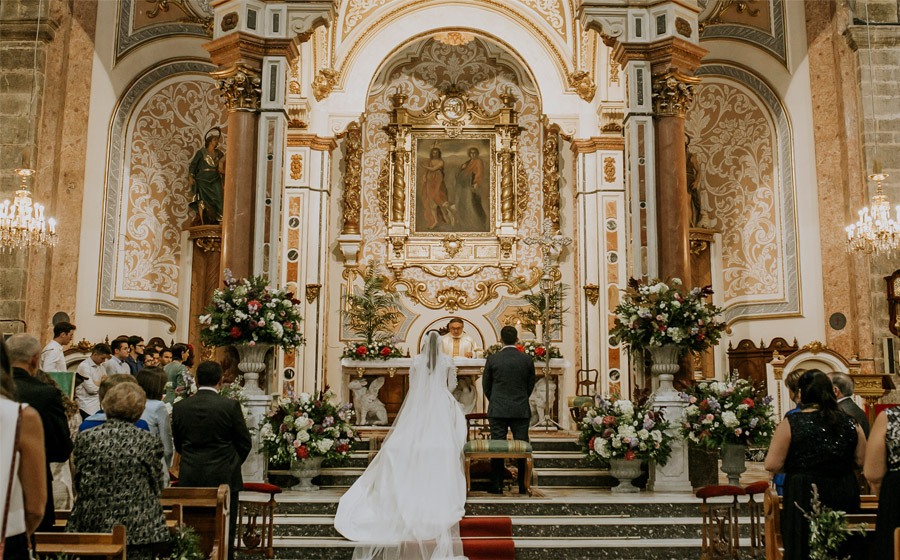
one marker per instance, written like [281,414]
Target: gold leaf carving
[324,82]
[673,93]
[583,84]
[551,174]
[352,178]
[240,87]
[384,187]
[296,166]
[609,169]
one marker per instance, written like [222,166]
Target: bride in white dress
[408,503]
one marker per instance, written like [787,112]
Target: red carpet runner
[487,538]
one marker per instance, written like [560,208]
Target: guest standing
[89,375]
[117,364]
[135,359]
[52,356]
[24,354]
[176,372]
[153,381]
[882,470]
[508,381]
[843,391]
[118,476]
[819,445]
[211,435]
[21,438]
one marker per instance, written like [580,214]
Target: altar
[377,388]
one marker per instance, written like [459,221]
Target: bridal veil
[408,503]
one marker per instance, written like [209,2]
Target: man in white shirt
[52,356]
[90,374]
[456,343]
[117,364]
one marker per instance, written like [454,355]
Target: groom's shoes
[495,490]
[522,490]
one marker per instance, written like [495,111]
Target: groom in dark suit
[508,381]
[211,435]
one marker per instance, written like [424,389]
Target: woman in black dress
[819,445]
[882,470]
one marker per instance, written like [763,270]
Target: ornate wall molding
[141,235]
[551,174]
[788,301]
[129,38]
[772,40]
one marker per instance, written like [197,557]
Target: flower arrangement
[308,426]
[619,429]
[533,348]
[371,351]
[184,386]
[721,412]
[250,311]
[828,529]
[657,313]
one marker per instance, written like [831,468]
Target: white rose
[303,398]
[643,434]
[303,436]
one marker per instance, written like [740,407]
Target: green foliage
[828,529]
[530,315]
[185,544]
[370,311]
[732,411]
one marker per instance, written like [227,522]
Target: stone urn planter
[665,365]
[733,462]
[252,363]
[306,470]
[625,470]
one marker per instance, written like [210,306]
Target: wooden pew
[103,545]
[173,517]
[206,510]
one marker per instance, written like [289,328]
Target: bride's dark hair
[433,347]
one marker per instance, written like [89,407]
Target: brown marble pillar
[673,203]
[205,270]
[240,86]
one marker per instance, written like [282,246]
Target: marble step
[568,477]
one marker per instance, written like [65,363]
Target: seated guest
[843,391]
[22,437]
[24,354]
[135,359]
[120,351]
[52,356]
[882,470]
[118,476]
[819,445]
[98,418]
[153,381]
[90,374]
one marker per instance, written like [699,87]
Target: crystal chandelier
[875,231]
[22,222]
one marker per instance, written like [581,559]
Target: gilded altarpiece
[456,129]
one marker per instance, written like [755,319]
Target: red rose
[520,348]
[288,325]
[609,420]
[361,350]
[748,401]
[539,351]
[253,305]
[235,332]
[385,351]
[629,455]
[342,448]
[303,452]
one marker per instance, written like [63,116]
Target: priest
[456,343]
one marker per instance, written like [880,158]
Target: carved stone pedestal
[254,468]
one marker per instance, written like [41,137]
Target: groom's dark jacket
[508,381]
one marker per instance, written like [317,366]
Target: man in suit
[211,435]
[24,355]
[843,390]
[508,381]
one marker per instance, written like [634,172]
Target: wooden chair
[479,428]
[96,545]
[755,508]
[585,389]
[720,522]
[206,510]
[253,536]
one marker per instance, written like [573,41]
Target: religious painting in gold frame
[454,184]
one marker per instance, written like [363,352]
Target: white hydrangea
[302,436]
[624,407]
[730,419]
[691,410]
[325,445]
[303,398]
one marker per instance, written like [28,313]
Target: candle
[518,326]
[539,331]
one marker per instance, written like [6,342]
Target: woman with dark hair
[118,476]
[153,381]
[818,446]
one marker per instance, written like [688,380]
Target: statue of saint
[698,218]
[207,172]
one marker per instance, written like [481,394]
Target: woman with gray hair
[118,476]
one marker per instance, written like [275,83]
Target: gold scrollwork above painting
[453,299]
[451,186]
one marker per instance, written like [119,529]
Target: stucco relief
[426,70]
[167,129]
[733,140]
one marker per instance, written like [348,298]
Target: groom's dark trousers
[508,381]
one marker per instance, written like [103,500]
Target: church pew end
[206,510]
[106,545]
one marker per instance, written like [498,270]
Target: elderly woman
[821,446]
[118,476]
[153,381]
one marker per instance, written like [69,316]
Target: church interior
[486,163]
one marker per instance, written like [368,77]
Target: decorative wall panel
[423,72]
[740,141]
[159,124]
[143,21]
[759,23]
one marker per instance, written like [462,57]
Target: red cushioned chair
[755,492]
[253,536]
[720,522]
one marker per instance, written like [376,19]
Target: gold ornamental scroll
[352,178]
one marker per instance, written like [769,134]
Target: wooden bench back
[107,545]
[206,510]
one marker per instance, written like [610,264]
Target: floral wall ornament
[296,166]
[312,292]
[583,84]
[240,87]
[453,244]
[324,82]
[609,169]
[592,293]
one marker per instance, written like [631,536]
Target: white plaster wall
[108,82]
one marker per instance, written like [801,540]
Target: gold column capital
[240,86]
[673,93]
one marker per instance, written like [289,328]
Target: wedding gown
[408,503]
